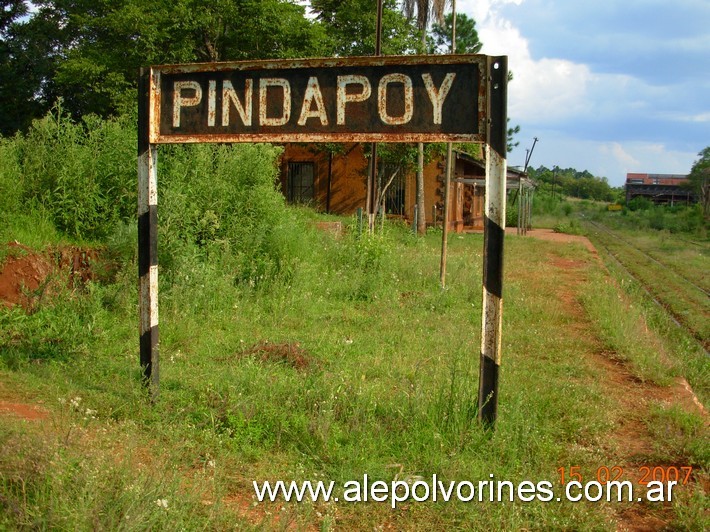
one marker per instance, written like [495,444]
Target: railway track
[650,258]
[691,315]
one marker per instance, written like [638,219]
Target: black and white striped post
[494,233]
[147,239]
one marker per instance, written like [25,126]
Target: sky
[611,86]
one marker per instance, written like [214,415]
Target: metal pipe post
[447,180]
[494,233]
[147,240]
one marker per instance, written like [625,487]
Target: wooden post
[372,185]
[147,240]
[494,234]
[445,231]
[449,171]
[520,206]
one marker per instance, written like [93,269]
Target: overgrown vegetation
[287,353]
[640,213]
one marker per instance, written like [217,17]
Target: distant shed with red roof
[669,189]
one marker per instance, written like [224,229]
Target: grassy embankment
[369,368]
[667,250]
[673,269]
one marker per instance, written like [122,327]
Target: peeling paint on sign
[363,99]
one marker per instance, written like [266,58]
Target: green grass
[688,304]
[390,389]
[287,353]
[685,255]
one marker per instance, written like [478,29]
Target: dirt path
[630,444]
[551,236]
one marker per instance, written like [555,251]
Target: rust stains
[362,99]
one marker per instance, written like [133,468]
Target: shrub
[222,202]
[571,227]
[640,203]
[83,175]
[10,192]
[215,201]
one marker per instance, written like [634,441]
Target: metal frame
[157,72]
[491,130]
[493,238]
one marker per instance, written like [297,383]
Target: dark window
[394,195]
[300,182]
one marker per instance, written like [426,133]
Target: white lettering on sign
[264,84]
[437,96]
[244,110]
[343,97]
[408,99]
[313,95]
[211,103]
[313,105]
[180,101]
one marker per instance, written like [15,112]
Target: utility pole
[528,154]
[521,212]
[449,170]
[371,181]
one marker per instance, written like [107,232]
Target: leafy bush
[511,214]
[83,175]
[639,203]
[571,227]
[9,172]
[215,202]
[676,219]
[222,203]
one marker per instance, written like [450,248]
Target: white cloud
[547,89]
[612,160]
[606,120]
[619,154]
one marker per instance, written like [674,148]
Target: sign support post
[359,99]
[494,233]
[147,239]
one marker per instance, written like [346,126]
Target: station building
[336,182]
[666,189]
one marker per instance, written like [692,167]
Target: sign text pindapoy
[368,99]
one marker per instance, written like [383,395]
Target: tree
[11,10]
[511,132]
[351,24]
[254,29]
[88,52]
[467,41]
[700,180]
[16,78]
[424,9]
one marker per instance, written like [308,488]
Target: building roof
[513,175]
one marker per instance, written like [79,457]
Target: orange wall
[348,183]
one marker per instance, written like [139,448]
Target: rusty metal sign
[359,99]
